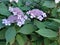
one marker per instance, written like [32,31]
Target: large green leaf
[54,12]
[21,39]
[39,24]
[49,4]
[47,32]
[25,8]
[52,25]
[56,20]
[19,4]
[27,29]
[4,10]
[10,35]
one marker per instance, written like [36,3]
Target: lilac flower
[12,18]
[36,13]
[16,11]
[21,20]
[17,17]
[11,9]
[14,1]
[6,22]
[40,18]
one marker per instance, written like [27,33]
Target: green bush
[33,31]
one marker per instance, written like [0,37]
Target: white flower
[32,15]
[25,17]
[11,0]
[19,16]
[19,24]
[10,9]
[14,1]
[57,1]
[40,18]
[44,15]
[6,22]
[15,13]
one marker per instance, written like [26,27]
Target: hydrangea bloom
[14,1]
[36,13]
[16,11]
[57,1]
[6,22]
[17,17]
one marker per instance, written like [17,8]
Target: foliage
[33,32]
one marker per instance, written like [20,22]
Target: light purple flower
[17,17]
[12,18]
[11,9]
[40,18]
[16,11]
[6,22]
[36,13]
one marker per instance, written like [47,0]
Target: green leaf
[47,32]
[4,0]
[58,10]
[4,10]
[1,25]
[34,43]
[25,8]
[49,4]
[21,39]
[34,37]
[27,29]
[19,4]
[52,25]
[54,12]
[46,41]
[10,35]
[39,24]
[56,20]
[2,34]
[2,43]
[54,43]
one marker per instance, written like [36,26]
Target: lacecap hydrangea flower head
[17,17]
[36,13]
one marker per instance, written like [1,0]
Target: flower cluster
[36,13]
[17,17]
